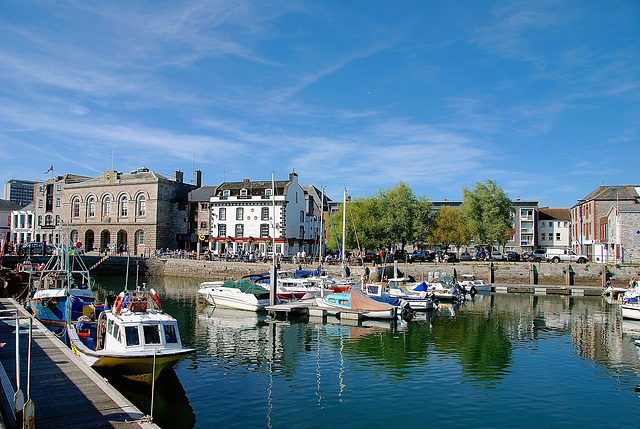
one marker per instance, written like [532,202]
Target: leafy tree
[361,218]
[488,212]
[448,228]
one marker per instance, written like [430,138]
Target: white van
[564,255]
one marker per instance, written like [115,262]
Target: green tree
[488,212]
[448,228]
[403,216]
[361,218]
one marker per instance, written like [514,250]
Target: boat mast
[344,223]
[273,276]
[321,226]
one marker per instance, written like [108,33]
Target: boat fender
[473,291]
[155,297]
[117,305]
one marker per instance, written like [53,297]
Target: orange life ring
[117,305]
[155,297]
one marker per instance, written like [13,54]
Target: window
[57,202]
[222,230]
[74,236]
[131,335]
[542,224]
[48,220]
[109,326]
[40,204]
[75,207]
[558,236]
[142,206]
[39,220]
[264,230]
[265,213]
[59,187]
[244,192]
[106,207]
[239,230]
[204,206]
[140,238]
[124,203]
[226,193]
[301,231]
[151,334]
[91,207]
[239,213]
[268,192]
[203,225]
[170,334]
[222,213]
[301,216]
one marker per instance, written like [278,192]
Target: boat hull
[630,311]
[239,302]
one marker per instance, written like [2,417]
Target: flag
[49,170]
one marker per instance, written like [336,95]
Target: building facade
[23,225]
[264,216]
[623,235]
[6,208]
[139,211]
[554,228]
[589,218]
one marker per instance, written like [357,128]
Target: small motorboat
[444,288]
[470,284]
[241,294]
[134,338]
[357,301]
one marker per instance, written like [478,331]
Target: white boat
[399,289]
[470,283]
[444,288]
[241,294]
[630,310]
[135,338]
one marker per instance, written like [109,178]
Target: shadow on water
[171,407]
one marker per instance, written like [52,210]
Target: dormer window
[244,192]
[267,192]
[226,193]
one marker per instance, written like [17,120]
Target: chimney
[178,176]
[245,180]
[197,178]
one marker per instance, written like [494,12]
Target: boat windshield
[151,334]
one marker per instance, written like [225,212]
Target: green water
[499,361]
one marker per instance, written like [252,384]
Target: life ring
[117,305]
[155,297]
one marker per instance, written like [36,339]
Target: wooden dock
[65,392]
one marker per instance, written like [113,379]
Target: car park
[466,256]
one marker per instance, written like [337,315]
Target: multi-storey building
[23,225]
[199,201]
[19,191]
[138,211]
[6,208]
[622,239]
[554,228]
[589,218]
[264,216]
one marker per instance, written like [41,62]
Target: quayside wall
[543,273]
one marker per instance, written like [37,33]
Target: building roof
[545,213]
[256,188]
[629,208]
[9,206]
[202,194]
[614,193]
[316,194]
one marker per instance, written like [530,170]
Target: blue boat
[357,302]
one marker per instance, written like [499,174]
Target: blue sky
[542,97]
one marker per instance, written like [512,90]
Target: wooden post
[491,275]
[533,274]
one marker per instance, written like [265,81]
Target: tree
[361,216]
[448,228]
[488,212]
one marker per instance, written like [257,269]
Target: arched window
[75,207]
[91,207]
[48,220]
[74,236]
[142,206]
[140,238]
[124,203]
[106,207]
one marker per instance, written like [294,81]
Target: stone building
[622,240]
[139,211]
[589,218]
[199,201]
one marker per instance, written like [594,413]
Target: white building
[6,207]
[23,225]
[260,216]
[554,228]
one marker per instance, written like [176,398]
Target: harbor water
[497,361]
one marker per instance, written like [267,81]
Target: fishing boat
[241,294]
[356,301]
[134,338]
[64,276]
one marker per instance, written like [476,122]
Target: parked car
[481,255]
[539,255]
[513,256]
[371,257]
[564,255]
[417,256]
[399,255]
[497,256]
[37,248]
[466,256]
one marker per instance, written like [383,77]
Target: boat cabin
[139,332]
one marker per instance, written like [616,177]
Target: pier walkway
[65,392]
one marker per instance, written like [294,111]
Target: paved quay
[65,392]
[548,289]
